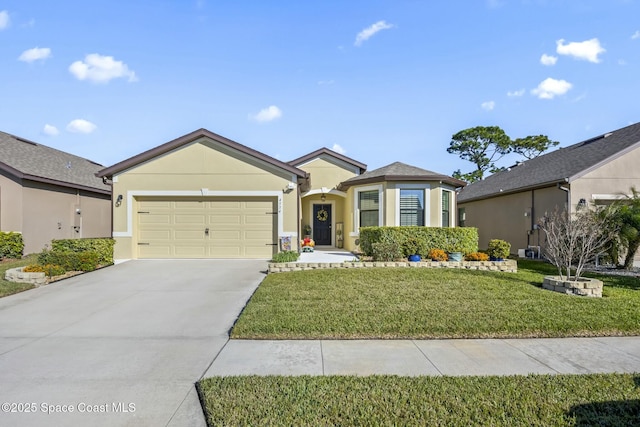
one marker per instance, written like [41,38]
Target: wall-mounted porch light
[119,200]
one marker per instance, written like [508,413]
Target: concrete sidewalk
[429,357]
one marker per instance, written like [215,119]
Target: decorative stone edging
[19,276]
[509,266]
[583,287]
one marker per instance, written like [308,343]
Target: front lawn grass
[396,303]
[535,400]
[9,288]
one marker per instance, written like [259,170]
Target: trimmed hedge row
[70,261]
[102,246]
[11,245]
[461,239]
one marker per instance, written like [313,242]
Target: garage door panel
[193,235]
[225,219]
[238,228]
[156,251]
[187,251]
[220,236]
[155,204]
[190,219]
[155,235]
[188,204]
[154,219]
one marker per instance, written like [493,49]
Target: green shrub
[11,245]
[387,251]
[71,261]
[476,256]
[102,246]
[461,239]
[499,248]
[414,246]
[437,255]
[49,269]
[286,256]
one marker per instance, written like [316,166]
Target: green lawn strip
[9,288]
[535,400]
[395,303]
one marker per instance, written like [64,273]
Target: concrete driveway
[120,346]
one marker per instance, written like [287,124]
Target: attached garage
[206,228]
[203,196]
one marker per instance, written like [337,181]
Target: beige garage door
[206,228]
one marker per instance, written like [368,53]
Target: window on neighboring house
[446,203]
[462,216]
[411,207]
[368,206]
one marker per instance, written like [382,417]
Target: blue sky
[380,81]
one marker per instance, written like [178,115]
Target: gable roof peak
[326,151]
[189,138]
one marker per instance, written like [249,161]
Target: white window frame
[356,205]
[427,203]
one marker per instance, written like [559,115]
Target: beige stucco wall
[613,178]
[202,168]
[504,217]
[328,173]
[49,212]
[10,204]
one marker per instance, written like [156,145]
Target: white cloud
[587,50]
[548,59]
[4,19]
[369,32]
[267,114]
[550,88]
[622,62]
[516,93]
[81,126]
[35,54]
[338,149]
[100,69]
[50,130]
[636,35]
[488,105]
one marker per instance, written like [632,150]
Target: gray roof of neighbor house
[562,165]
[398,171]
[28,160]
[325,151]
[189,138]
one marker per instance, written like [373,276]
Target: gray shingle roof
[398,171]
[562,165]
[29,160]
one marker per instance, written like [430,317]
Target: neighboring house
[508,205]
[48,194]
[205,196]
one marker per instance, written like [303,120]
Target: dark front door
[322,224]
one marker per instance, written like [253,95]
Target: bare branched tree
[574,240]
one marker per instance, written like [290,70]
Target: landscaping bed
[534,400]
[406,303]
